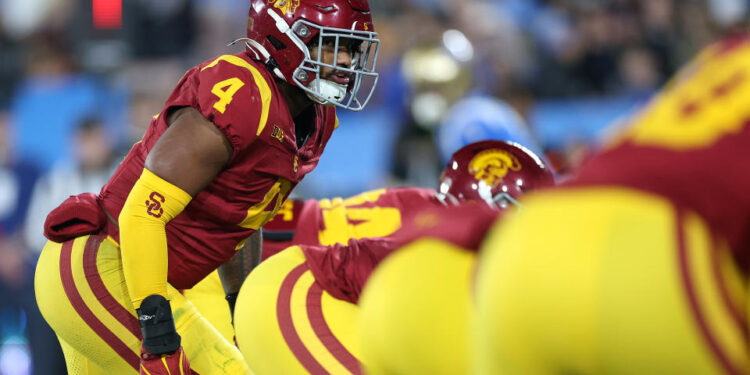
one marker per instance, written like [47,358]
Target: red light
[107,14]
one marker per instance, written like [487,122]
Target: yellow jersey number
[343,221]
[258,214]
[705,102]
[225,90]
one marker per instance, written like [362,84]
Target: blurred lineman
[234,138]
[415,309]
[306,295]
[640,266]
[303,320]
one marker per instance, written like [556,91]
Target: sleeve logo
[153,204]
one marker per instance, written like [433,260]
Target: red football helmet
[280,31]
[495,172]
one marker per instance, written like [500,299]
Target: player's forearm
[151,204]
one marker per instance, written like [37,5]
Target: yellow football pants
[209,299]
[415,311]
[608,281]
[81,292]
[287,324]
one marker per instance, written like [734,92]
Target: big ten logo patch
[277,133]
[153,204]
[492,165]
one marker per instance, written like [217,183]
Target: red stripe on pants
[689,288]
[100,291]
[66,276]
[734,311]
[286,324]
[320,326]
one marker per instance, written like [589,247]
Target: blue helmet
[478,118]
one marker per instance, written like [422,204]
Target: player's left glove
[161,352]
[164,364]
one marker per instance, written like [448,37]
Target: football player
[414,312]
[640,265]
[296,313]
[236,135]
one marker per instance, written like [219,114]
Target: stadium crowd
[75,96]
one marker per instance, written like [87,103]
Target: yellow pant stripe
[721,331]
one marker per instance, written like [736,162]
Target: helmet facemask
[500,201]
[363,48]
[283,34]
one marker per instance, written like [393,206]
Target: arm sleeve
[151,204]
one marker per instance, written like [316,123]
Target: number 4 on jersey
[225,90]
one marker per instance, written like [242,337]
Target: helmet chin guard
[281,33]
[328,92]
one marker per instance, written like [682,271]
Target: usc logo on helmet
[492,165]
[285,6]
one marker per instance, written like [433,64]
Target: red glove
[165,364]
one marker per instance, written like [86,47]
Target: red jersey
[376,213]
[691,145]
[343,270]
[241,98]
[278,233]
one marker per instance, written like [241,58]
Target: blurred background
[81,79]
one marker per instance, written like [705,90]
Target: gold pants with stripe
[81,292]
[608,281]
[287,324]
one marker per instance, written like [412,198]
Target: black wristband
[232,300]
[157,326]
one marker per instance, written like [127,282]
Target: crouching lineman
[376,213]
[234,138]
[640,265]
[296,313]
[415,309]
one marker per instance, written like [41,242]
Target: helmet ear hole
[276,43]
